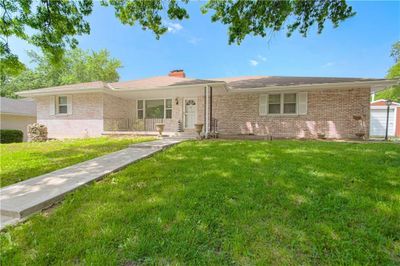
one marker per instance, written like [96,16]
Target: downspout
[211,122]
[205,111]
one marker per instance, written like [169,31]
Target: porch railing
[126,124]
[117,124]
[147,124]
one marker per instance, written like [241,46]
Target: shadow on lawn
[236,202]
[51,158]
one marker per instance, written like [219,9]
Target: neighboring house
[379,118]
[17,114]
[281,107]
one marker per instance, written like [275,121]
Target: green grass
[227,202]
[20,161]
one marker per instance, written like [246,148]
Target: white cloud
[262,58]
[253,62]
[173,27]
[329,64]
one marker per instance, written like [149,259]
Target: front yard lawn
[227,202]
[20,161]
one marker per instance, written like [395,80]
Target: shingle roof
[267,81]
[157,82]
[17,107]
[245,82]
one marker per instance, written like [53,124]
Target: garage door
[378,122]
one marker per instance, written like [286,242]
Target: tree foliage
[245,17]
[54,24]
[49,25]
[392,93]
[76,66]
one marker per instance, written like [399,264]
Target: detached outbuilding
[379,116]
[17,114]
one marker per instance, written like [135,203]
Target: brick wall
[329,112]
[171,125]
[118,113]
[86,118]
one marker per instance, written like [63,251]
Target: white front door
[190,112]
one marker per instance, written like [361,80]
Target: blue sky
[359,47]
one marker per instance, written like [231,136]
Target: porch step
[158,144]
[188,134]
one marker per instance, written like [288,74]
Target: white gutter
[107,87]
[319,86]
[39,92]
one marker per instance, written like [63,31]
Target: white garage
[378,120]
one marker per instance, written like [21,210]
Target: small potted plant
[160,128]
[198,128]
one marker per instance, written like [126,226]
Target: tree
[56,23]
[392,93]
[53,25]
[76,66]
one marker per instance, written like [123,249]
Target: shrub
[11,135]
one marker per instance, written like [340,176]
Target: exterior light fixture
[176,101]
[388,104]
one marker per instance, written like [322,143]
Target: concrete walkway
[19,200]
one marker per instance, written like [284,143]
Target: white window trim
[144,107]
[57,105]
[281,105]
[167,108]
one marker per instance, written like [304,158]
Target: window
[140,109]
[274,104]
[157,109]
[154,108]
[62,105]
[289,103]
[168,108]
[283,103]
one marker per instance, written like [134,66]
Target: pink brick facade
[86,118]
[330,112]
[117,112]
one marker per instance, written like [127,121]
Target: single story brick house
[281,107]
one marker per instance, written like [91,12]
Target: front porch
[138,112]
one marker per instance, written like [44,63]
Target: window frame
[167,108]
[58,105]
[144,107]
[281,104]
[140,109]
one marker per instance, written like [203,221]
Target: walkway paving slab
[24,198]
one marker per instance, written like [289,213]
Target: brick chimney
[179,73]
